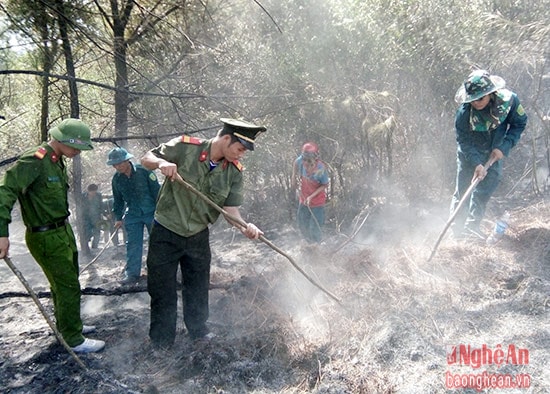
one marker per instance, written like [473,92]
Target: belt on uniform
[46,227]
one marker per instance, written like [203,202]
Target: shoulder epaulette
[190,140]
[40,153]
[238,164]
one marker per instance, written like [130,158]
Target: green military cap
[245,132]
[118,155]
[74,133]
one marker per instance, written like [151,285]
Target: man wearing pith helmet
[489,123]
[180,235]
[39,181]
[135,191]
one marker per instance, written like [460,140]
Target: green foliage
[323,71]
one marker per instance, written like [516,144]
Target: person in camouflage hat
[39,181]
[488,123]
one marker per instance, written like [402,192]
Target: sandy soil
[395,330]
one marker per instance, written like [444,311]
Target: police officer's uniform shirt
[39,181]
[179,209]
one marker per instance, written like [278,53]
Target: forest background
[372,82]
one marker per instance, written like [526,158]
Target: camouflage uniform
[497,126]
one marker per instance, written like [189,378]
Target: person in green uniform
[38,180]
[91,214]
[488,124]
[180,234]
[135,191]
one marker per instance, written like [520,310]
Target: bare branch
[268,14]
[102,85]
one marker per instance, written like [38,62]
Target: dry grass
[276,333]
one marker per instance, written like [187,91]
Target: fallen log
[117,291]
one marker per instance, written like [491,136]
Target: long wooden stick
[473,185]
[240,222]
[43,311]
[100,252]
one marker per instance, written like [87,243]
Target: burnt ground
[399,318]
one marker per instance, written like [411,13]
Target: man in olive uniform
[39,181]
[135,191]
[180,235]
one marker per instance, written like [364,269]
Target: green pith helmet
[478,84]
[74,133]
[118,155]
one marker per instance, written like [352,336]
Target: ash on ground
[276,332]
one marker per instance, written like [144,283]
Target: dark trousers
[473,210]
[310,222]
[92,231]
[167,251]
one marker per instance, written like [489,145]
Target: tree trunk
[75,113]
[49,49]
[120,20]
[121,85]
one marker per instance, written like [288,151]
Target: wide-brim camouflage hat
[478,84]
[245,132]
[74,133]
